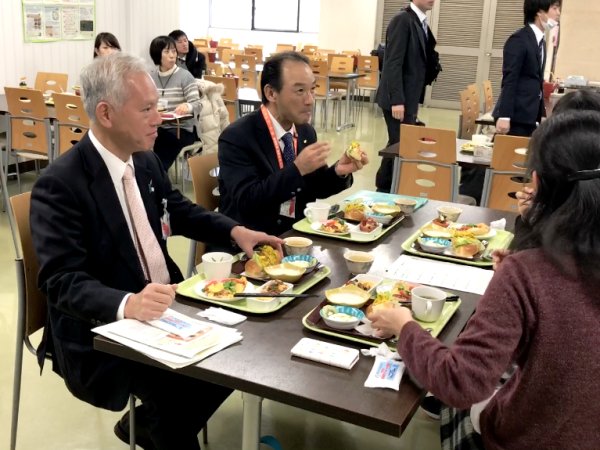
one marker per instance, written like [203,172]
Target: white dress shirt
[539,35]
[116,168]
[280,131]
[420,14]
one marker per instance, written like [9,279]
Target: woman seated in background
[105,44]
[541,312]
[187,56]
[178,93]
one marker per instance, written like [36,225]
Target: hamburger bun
[467,251]
[264,257]
[388,305]
[355,214]
[254,269]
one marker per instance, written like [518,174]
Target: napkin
[223,316]
[383,350]
[498,225]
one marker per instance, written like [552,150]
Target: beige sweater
[214,117]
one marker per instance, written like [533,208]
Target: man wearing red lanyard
[271,163]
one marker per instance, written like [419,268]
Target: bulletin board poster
[59,20]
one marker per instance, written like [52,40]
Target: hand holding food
[266,256]
[355,152]
[313,157]
[390,321]
[248,239]
[349,164]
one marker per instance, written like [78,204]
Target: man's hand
[524,198]
[151,303]
[248,239]
[398,112]
[390,321]
[313,157]
[502,126]
[347,165]
[182,109]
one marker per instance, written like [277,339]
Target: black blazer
[252,185]
[409,64]
[88,261]
[521,98]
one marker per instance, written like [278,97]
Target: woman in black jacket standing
[187,56]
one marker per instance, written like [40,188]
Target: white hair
[104,80]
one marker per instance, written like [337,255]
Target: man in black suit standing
[520,106]
[100,218]
[271,163]
[410,64]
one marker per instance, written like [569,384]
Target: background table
[261,365]
[348,78]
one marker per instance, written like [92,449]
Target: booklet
[326,353]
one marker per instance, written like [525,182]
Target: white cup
[317,212]
[217,265]
[427,303]
[479,139]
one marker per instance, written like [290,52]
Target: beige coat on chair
[214,117]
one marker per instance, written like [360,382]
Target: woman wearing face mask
[187,56]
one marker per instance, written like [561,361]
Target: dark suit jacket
[252,185]
[521,96]
[88,261]
[405,69]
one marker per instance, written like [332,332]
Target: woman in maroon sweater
[541,312]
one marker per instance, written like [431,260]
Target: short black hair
[107,39]
[580,100]
[158,45]
[176,34]
[532,7]
[272,74]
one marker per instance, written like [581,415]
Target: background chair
[488,97]
[220,50]
[351,52]
[200,43]
[225,42]
[245,62]
[247,78]
[468,117]
[214,69]
[51,82]
[204,185]
[427,163]
[323,91]
[506,174]
[229,55]
[257,52]
[284,48]
[310,48]
[71,122]
[368,65]
[230,95]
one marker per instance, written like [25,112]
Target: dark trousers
[521,129]
[175,407]
[386,170]
[167,146]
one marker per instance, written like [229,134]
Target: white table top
[259,67]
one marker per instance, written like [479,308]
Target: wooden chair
[200,43]
[229,56]
[51,82]
[340,64]
[256,46]
[220,50]
[225,42]
[230,94]
[488,97]
[506,174]
[331,56]
[323,90]
[29,133]
[247,78]
[205,51]
[72,122]
[214,69]
[246,62]
[368,63]
[204,185]
[310,48]
[324,51]
[284,48]
[427,163]
[351,52]
[469,115]
[257,52]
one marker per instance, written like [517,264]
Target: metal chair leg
[18,355]
[182,176]
[132,422]
[191,270]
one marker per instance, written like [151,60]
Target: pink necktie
[149,251]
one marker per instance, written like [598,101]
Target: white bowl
[361,236]
[297,245]
[451,213]
[425,244]
[359,267]
[217,265]
[379,218]
[258,305]
[407,205]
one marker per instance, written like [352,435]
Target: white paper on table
[442,274]
[180,324]
[326,353]
[222,316]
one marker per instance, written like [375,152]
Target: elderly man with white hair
[100,218]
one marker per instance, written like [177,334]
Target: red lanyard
[271,128]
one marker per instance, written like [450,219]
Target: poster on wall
[55,20]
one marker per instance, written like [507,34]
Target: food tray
[239,268]
[304,227]
[314,322]
[393,222]
[501,241]
[186,289]
[381,197]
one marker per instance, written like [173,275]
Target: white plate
[316,225]
[491,234]
[202,284]
[387,286]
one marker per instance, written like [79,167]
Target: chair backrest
[427,145]
[225,42]
[204,184]
[321,71]
[310,48]
[469,115]
[284,48]
[214,69]
[27,135]
[36,309]
[235,46]
[342,64]
[53,82]
[70,110]
[370,80]
[200,43]
[319,68]
[257,52]
[332,56]
[368,62]
[246,62]
[229,55]
[351,52]
[473,91]
[247,78]
[221,49]
[488,96]
[230,92]
[325,51]
[205,51]
[510,153]
[255,46]
[258,85]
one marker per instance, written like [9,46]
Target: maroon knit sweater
[549,325]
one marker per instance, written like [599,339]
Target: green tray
[449,309]
[501,241]
[381,197]
[187,290]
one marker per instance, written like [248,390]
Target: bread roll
[467,250]
[388,305]
[254,269]
[355,214]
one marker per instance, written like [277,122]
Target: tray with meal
[469,147]
[266,273]
[344,313]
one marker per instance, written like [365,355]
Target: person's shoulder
[403,16]
[519,34]
[307,130]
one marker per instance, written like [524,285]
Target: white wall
[348,25]
[133,22]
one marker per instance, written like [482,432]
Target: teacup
[427,303]
[407,205]
[297,246]
[317,212]
[217,265]
[452,213]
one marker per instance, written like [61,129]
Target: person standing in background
[188,57]
[520,106]
[410,64]
[105,44]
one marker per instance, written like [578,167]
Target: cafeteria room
[299,224]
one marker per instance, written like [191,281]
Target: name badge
[165,222]
[163,102]
[288,209]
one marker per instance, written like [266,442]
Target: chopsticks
[450,298]
[242,295]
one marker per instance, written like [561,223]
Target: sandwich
[265,256]
[399,295]
[355,152]
[466,246]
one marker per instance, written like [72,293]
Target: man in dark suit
[520,106]
[271,163]
[411,63]
[100,217]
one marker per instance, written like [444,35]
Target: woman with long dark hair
[105,44]
[188,57]
[540,312]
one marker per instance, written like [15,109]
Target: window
[295,16]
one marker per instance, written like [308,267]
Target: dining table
[262,367]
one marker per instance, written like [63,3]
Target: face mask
[550,24]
